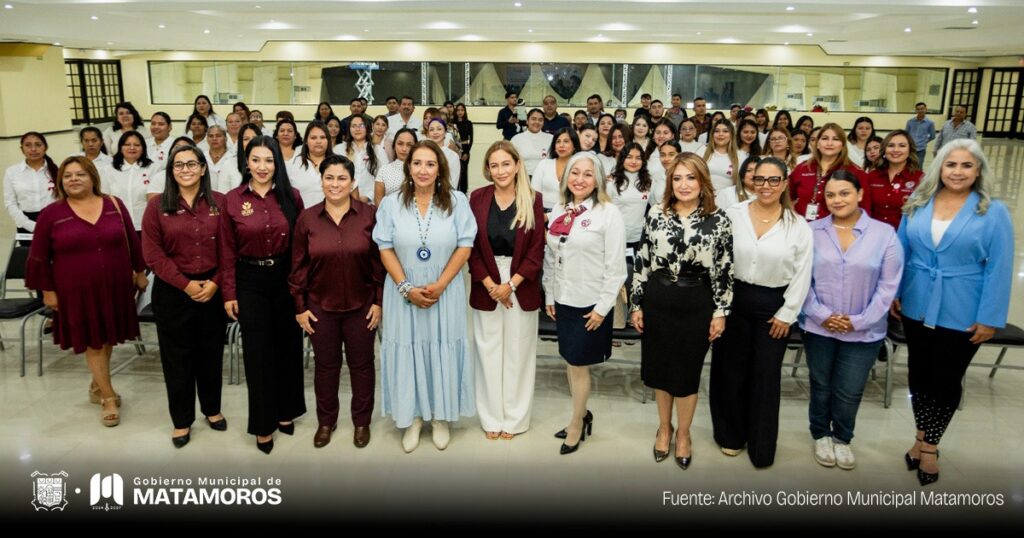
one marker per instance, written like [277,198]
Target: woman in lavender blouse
[858,262]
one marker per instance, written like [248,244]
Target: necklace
[841,227]
[767,221]
[423,253]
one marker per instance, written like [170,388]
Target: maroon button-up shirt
[804,184]
[252,227]
[336,266]
[184,242]
[888,197]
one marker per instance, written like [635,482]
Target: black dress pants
[191,339]
[746,371]
[271,346]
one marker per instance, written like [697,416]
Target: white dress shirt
[782,257]
[589,267]
[532,147]
[307,180]
[607,164]
[721,170]
[159,153]
[545,180]
[395,123]
[29,190]
[224,174]
[364,178]
[131,184]
[693,147]
[112,137]
[727,198]
[100,161]
[632,204]
[658,178]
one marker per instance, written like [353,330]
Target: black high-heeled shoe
[587,419]
[661,455]
[287,429]
[914,463]
[924,477]
[684,461]
[265,447]
[221,425]
[566,449]
[182,440]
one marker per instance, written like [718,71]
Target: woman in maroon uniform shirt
[255,257]
[179,242]
[87,261]
[337,282]
[897,175]
[807,181]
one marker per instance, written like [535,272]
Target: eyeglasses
[357,126]
[774,181]
[776,139]
[191,165]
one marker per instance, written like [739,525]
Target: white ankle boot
[440,434]
[411,439]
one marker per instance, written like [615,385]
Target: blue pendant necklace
[423,253]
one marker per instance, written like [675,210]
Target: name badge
[812,212]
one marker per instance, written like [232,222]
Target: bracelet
[511,285]
[404,287]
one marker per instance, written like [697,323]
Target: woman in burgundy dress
[87,260]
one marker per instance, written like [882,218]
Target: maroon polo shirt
[252,226]
[888,197]
[336,266]
[805,184]
[184,242]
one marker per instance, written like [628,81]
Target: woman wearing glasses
[179,242]
[772,267]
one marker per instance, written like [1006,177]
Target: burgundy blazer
[527,258]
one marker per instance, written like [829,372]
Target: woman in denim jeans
[858,262]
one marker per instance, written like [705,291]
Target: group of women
[709,258]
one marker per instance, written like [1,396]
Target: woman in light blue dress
[425,232]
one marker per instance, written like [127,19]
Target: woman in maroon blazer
[505,265]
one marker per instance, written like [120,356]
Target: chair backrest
[15,266]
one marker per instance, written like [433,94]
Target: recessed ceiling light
[969,10]
[699,33]
[790,8]
[530,30]
[161,26]
[975,21]
[786,43]
[57,44]
[206,31]
[95,18]
[809,34]
[366,29]
[907,29]
[259,7]
[8,6]
[518,4]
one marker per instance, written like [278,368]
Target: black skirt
[677,320]
[577,345]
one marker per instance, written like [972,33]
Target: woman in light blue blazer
[956,287]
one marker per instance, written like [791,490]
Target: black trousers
[746,371]
[271,346]
[463,176]
[191,339]
[937,360]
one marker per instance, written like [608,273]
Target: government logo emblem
[49,491]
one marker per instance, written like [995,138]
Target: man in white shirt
[595,107]
[404,118]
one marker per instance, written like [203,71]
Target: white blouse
[693,147]
[607,164]
[727,198]
[632,203]
[546,181]
[100,161]
[364,179]
[29,190]
[112,137]
[721,170]
[532,147]
[391,175]
[159,153]
[224,174]
[589,267]
[658,178]
[131,184]
[306,179]
[782,257]
[856,154]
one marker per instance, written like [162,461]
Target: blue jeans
[839,371]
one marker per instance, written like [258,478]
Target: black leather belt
[262,262]
[683,280]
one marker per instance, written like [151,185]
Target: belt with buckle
[261,262]
[683,280]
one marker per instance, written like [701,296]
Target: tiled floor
[48,425]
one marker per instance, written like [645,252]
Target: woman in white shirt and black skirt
[772,260]
[584,268]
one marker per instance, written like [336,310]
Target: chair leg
[796,361]
[42,327]
[999,360]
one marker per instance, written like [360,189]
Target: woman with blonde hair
[807,181]
[505,265]
[680,296]
[721,155]
[584,268]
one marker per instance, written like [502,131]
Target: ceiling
[872,27]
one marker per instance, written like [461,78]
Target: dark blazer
[527,258]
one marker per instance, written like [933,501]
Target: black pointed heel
[287,429]
[661,455]
[587,419]
[265,447]
[924,477]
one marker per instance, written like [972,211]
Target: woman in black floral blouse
[683,283]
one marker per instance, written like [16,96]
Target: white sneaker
[844,457]
[824,452]
[411,439]
[440,434]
